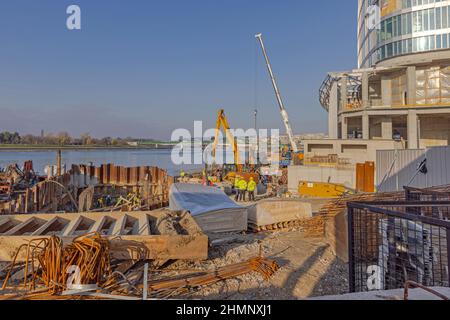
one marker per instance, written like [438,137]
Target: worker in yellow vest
[182,175]
[236,187]
[242,189]
[251,189]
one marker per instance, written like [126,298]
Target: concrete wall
[396,168]
[296,174]
[357,151]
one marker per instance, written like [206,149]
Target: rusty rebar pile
[179,286]
[51,264]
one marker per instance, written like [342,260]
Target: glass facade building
[404,27]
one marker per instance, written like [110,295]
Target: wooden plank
[3,223]
[73,225]
[144,226]
[98,224]
[119,226]
[45,226]
[127,247]
[20,226]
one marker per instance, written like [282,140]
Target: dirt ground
[308,267]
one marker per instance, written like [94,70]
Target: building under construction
[401,89]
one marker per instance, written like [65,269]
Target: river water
[127,158]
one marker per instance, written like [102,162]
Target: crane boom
[223,122]
[284,114]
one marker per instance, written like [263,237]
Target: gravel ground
[308,267]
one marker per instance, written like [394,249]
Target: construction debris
[14,180]
[84,268]
[51,264]
[182,285]
[89,188]
[133,235]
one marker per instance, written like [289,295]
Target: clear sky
[143,68]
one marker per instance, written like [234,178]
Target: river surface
[127,158]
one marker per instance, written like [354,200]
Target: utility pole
[256,115]
[257,137]
[58,162]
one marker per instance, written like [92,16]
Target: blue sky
[144,68]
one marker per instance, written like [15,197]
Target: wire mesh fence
[393,242]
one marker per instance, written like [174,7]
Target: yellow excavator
[237,168]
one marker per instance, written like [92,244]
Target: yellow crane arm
[222,122]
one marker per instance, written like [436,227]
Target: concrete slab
[270,212]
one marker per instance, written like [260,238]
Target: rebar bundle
[57,267]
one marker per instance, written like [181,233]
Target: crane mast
[283,111]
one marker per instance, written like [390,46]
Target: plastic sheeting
[198,199]
[433,85]
[211,208]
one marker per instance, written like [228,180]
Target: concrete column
[343,93]
[365,89]
[386,94]
[412,130]
[344,128]
[333,112]
[411,85]
[386,128]
[366,126]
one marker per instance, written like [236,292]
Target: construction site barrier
[391,243]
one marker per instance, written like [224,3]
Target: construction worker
[236,187]
[242,189]
[182,175]
[251,189]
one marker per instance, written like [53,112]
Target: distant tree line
[60,139]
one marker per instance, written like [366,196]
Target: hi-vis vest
[242,185]
[251,186]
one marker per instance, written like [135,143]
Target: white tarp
[213,210]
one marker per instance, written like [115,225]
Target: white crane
[283,111]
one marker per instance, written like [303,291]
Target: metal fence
[393,242]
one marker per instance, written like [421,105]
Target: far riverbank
[4,147]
